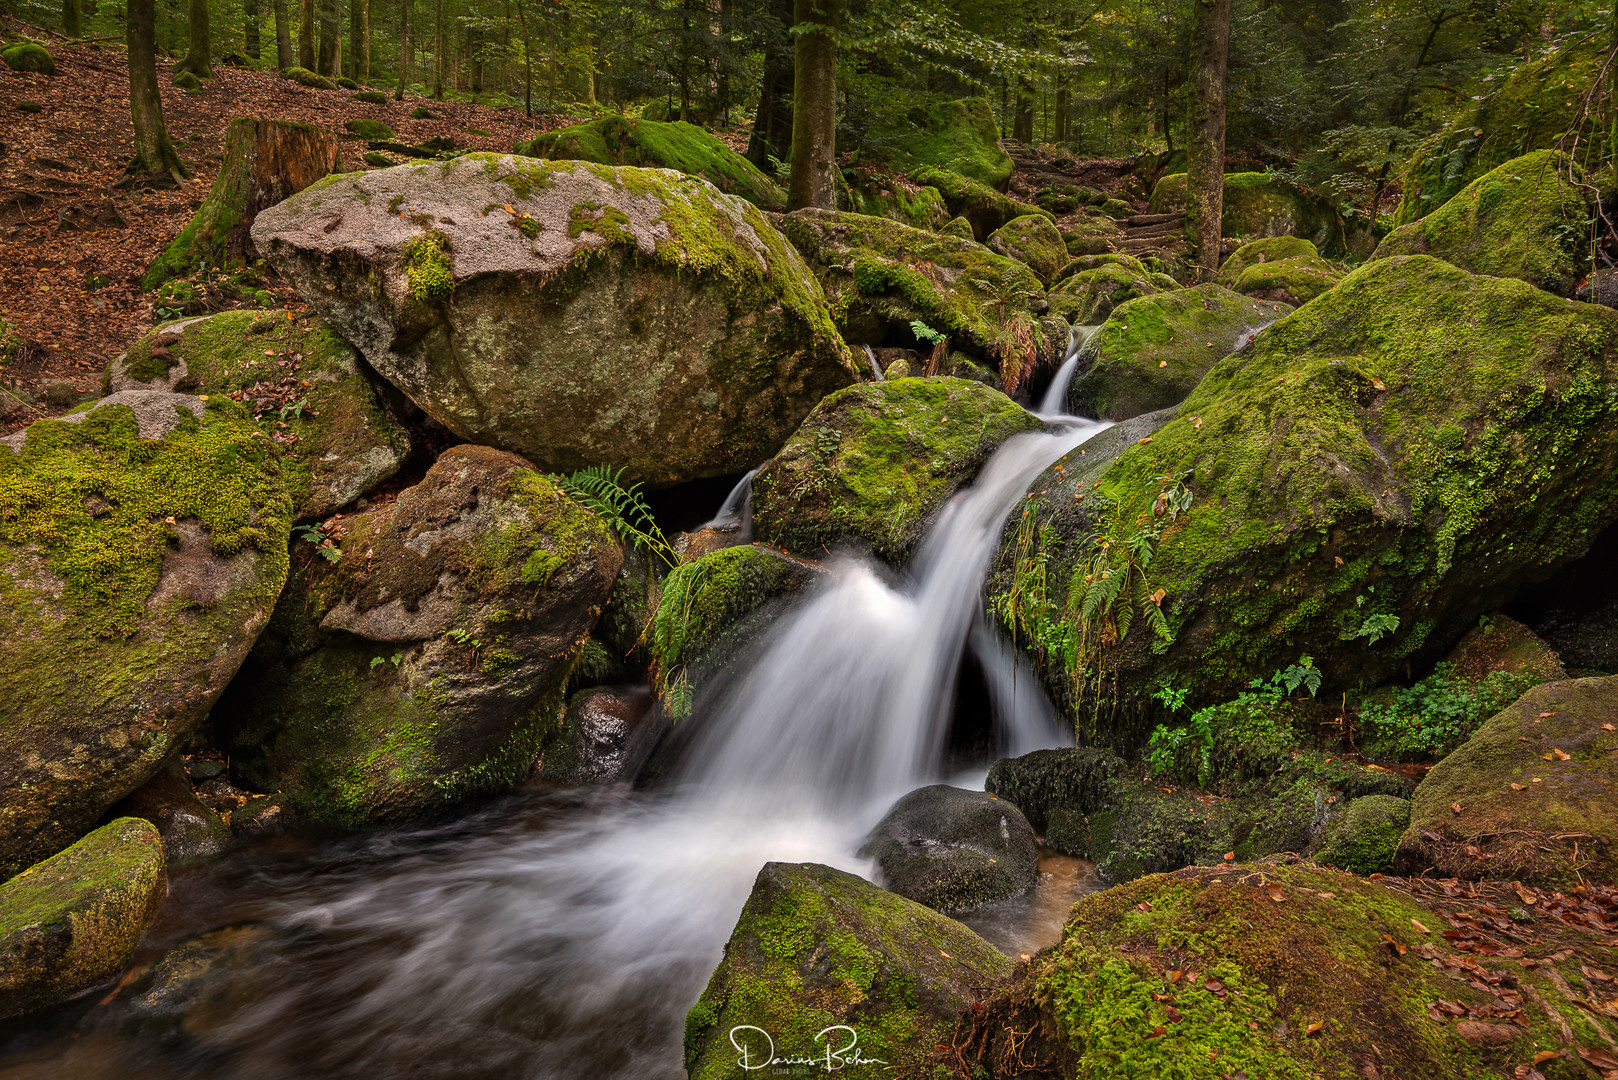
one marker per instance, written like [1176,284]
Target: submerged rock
[601,740]
[633,318]
[875,463]
[73,921]
[143,542]
[953,849]
[191,830]
[1531,796]
[816,948]
[299,378]
[425,665]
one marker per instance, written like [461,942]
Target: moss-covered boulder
[143,542]
[366,128]
[1531,796]
[1357,488]
[1088,297]
[960,136]
[1365,837]
[956,226]
[1033,240]
[634,318]
[304,77]
[817,948]
[1046,782]
[72,921]
[303,383]
[952,850]
[1532,109]
[1146,828]
[1258,205]
[653,144]
[191,830]
[881,277]
[1282,972]
[981,205]
[875,463]
[1283,268]
[891,195]
[188,82]
[1153,350]
[1528,218]
[28,56]
[420,661]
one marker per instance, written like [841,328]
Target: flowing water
[565,936]
[876,369]
[1054,403]
[736,512]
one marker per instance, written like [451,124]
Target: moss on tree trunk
[1205,134]
[265,161]
[154,155]
[814,107]
[198,60]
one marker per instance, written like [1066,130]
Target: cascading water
[1054,403]
[876,369]
[556,939]
[737,509]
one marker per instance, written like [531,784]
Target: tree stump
[265,162]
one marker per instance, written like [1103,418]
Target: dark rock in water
[953,849]
[425,666]
[191,994]
[262,815]
[815,948]
[598,743]
[1077,779]
[73,921]
[1533,795]
[191,831]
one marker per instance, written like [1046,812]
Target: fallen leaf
[1416,923]
[1599,1056]
[1314,1027]
[1196,422]
[1546,1055]
[945,955]
[1519,787]
[1485,1034]
[1536,779]
[1608,727]
[1339,559]
[1230,856]
[1551,713]
[1275,892]
[1143,906]
[1455,808]
[1156,1032]
[1328,896]
[1378,383]
[1174,976]
[1527,1072]
[1561,755]
[1173,1014]
[1143,442]
[1162,363]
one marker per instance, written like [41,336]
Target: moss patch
[957,135]
[1033,240]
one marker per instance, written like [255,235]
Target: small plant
[428,265]
[1437,714]
[1234,740]
[1374,628]
[293,410]
[1303,674]
[464,637]
[600,489]
[325,546]
[925,333]
[378,661]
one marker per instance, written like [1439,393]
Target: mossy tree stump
[265,162]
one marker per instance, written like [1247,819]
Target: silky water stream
[565,935]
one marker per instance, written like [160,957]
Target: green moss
[188,82]
[1032,239]
[370,97]
[1089,296]
[373,130]
[960,136]
[28,56]
[1291,281]
[957,226]
[429,266]
[1365,838]
[983,206]
[1260,205]
[305,77]
[1268,249]
[608,222]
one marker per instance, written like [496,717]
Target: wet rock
[301,380]
[598,743]
[816,947]
[425,666]
[1601,287]
[875,463]
[1076,779]
[148,558]
[1364,839]
[1148,828]
[262,815]
[1530,796]
[190,995]
[633,318]
[953,849]
[191,831]
[72,921]
[1089,296]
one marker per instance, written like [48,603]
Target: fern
[601,490]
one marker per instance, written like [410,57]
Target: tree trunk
[438,50]
[283,36]
[331,39]
[154,154]
[198,60]
[1022,124]
[1205,133]
[772,125]
[814,107]
[72,19]
[252,39]
[265,162]
[404,49]
[306,35]
[359,40]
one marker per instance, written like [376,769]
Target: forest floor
[64,228]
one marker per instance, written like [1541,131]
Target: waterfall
[876,370]
[1054,403]
[736,512]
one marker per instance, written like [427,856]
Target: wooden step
[1166,229]
[1156,219]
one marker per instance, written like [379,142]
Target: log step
[1156,219]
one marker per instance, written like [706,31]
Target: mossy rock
[1525,219]
[980,204]
[305,77]
[1284,972]
[1033,240]
[875,463]
[338,437]
[377,160]
[1536,788]
[881,276]
[887,195]
[1269,249]
[1287,269]
[1500,643]
[72,922]
[816,947]
[191,830]
[345,83]
[686,148]
[421,112]
[1258,205]
[423,667]
[28,56]
[957,226]
[1047,782]
[1306,522]
[1088,297]
[1153,350]
[953,850]
[368,129]
[1364,839]
[29,106]
[188,82]
[960,136]
[143,542]
[370,97]
[1533,109]
[633,318]
[1149,829]
[1091,233]
[711,609]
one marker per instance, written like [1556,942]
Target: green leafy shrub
[1234,741]
[1437,715]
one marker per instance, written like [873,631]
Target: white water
[574,949]
[1054,403]
[737,509]
[876,369]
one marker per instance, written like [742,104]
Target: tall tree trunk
[252,39]
[814,106]
[438,50]
[772,125]
[306,35]
[1061,112]
[154,154]
[331,38]
[1205,133]
[1022,125]
[283,36]
[359,39]
[72,19]
[404,49]
[197,59]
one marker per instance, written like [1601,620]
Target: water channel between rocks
[566,935]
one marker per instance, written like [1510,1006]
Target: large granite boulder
[1034,241]
[953,849]
[143,542]
[576,313]
[424,664]
[1260,204]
